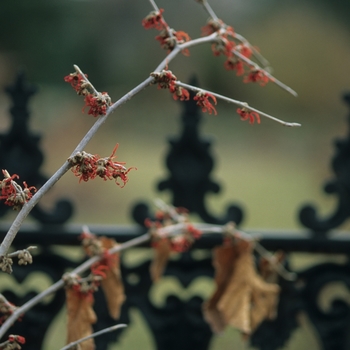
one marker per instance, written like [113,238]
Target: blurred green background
[271,171]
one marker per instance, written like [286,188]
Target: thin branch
[59,284]
[238,103]
[277,266]
[256,53]
[17,252]
[210,11]
[178,48]
[154,5]
[94,335]
[27,207]
[85,78]
[167,231]
[270,76]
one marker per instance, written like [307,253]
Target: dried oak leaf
[162,251]
[112,284]
[247,299]
[223,261]
[81,316]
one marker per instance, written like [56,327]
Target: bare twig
[94,335]
[238,103]
[59,284]
[270,76]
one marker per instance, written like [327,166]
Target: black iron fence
[178,324]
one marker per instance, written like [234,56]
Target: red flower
[154,20]
[98,104]
[84,165]
[180,244]
[168,42]
[223,46]
[13,194]
[165,79]
[16,338]
[211,27]
[202,99]
[99,269]
[6,309]
[88,166]
[245,50]
[78,83]
[214,25]
[233,63]
[179,93]
[257,76]
[194,232]
[245,114]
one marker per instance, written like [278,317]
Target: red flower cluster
[168,38]
[13,194]
[244,50]
[98,102]
[6,309]
[233,63]
[78,83]
[225,45]
[202,99]
[93,246]
[183,242]
[168,42]
[180,242]
[16,338]
[83,287]
[179,93]
[213,25]
[246,114]
[87,167]
[154,20]
[257,76]
[13,342]
[167,80]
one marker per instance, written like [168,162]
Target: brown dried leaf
[112,285]
[248,299]
[162,251]
[80,317]
[223,261]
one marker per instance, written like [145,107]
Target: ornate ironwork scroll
[340,186]
[176,325]
[190,163]
[35,323]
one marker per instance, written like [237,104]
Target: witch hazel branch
[225,41]
[100,105]
[171,232]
